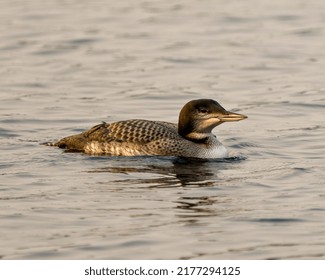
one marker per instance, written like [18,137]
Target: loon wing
[130,131]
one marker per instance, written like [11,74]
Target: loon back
[120,138]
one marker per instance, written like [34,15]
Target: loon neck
[199,140]
[196,137]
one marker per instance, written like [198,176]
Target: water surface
[68,65]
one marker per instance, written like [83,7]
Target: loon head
[198,117]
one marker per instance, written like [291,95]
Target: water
[68,65]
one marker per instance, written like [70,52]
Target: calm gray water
[68,65]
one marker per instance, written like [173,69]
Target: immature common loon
[192,137]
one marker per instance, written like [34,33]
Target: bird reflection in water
[175,173]
[172,172]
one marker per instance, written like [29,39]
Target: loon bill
[192,137]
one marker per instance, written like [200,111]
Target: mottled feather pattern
[128,138]
[132,131]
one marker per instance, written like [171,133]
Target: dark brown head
[198,117]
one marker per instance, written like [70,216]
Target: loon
[191,138]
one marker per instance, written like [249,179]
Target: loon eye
[203,110]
